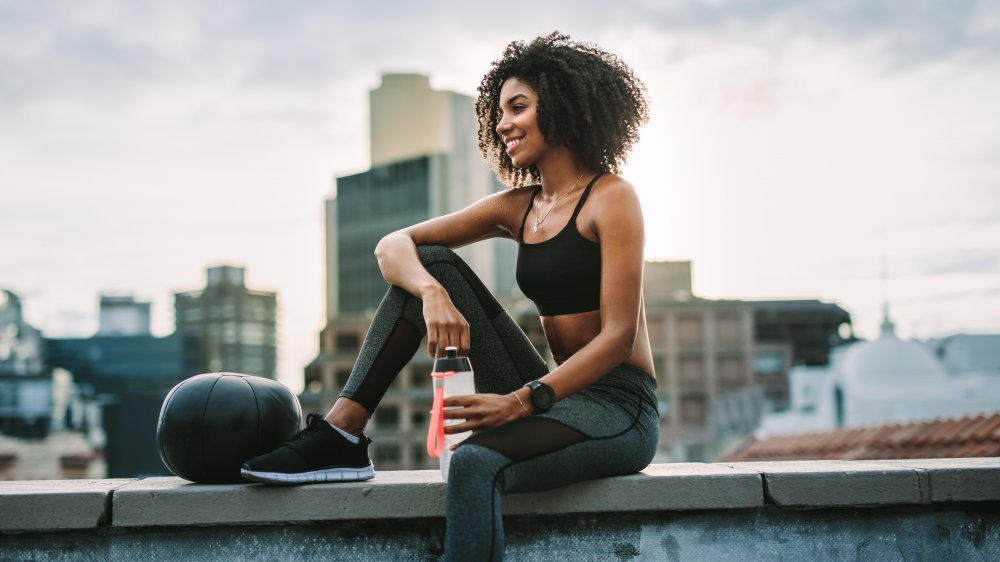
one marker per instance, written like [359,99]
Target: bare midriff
[569,333]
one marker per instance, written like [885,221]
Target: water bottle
[452,377]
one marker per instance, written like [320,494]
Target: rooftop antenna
[888,328]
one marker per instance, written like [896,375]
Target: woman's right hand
[445,324]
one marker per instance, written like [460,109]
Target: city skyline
[795,149]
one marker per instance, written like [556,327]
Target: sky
[842,150]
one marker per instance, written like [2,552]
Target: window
[342,376]
[765,362]
[693,409]
[348,341]
[731,371]
[728,328]
[689,330]
[386,453]
[691,371]
[387,417]
[418,418]
[253,334]
[419,454]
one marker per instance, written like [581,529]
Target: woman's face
[518,126]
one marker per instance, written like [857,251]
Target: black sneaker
[318,453]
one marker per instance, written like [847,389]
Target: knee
[474,464]
[430,254]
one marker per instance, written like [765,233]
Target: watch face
[542,395]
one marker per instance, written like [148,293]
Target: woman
[556,120]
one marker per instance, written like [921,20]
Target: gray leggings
[607,429]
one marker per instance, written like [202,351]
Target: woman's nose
[502,126]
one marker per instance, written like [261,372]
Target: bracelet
[518,398]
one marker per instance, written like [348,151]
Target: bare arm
[400,265]
[619,225]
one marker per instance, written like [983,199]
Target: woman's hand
[481,411]
[445,324]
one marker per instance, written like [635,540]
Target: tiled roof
[950,438]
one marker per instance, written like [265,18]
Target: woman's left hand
[481,411]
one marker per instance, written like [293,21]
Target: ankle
[348,415]
[352,428]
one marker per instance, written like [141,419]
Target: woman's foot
[318,453]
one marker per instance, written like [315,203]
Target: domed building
[887,380]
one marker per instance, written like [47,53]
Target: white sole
[324,475]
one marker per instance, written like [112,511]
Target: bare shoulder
[614,200]
[511,204]
[613,187]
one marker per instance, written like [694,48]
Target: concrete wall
[878,510]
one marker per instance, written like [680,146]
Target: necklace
[538,220]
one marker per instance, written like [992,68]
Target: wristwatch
[542,395]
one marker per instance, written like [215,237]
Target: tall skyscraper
[228,327]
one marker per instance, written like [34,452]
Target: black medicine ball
[211,424]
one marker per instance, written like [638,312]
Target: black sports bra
[562,275]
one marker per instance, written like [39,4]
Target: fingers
[432,342]
[448,334]
[464,341]
[445,327]
[462,427]
[462,401]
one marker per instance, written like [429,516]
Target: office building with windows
[228,327]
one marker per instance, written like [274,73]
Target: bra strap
[520,235]
[583,198]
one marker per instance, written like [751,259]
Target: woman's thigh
[609,428]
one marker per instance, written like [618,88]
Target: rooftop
[977,436]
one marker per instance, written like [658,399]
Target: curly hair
[589,101]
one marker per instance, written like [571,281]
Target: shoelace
[311,425]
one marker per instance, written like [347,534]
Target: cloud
[914,31]
[105,50]
[967,260]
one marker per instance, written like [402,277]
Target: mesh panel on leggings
[527,438]
[399,347]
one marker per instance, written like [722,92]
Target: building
[702,352]
[425,162]
[120,377]
[794,332]
[43,426]
[124,316]
[26,389]
[890,380]
[228,327]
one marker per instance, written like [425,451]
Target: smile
[512,143]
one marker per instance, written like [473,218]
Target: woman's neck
[559,171]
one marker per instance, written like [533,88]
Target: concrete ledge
[957,480]
[421,493]
[838,483]
[173,501]
[660,487]
[394,496]
[40,505]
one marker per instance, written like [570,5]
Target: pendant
[534,229]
